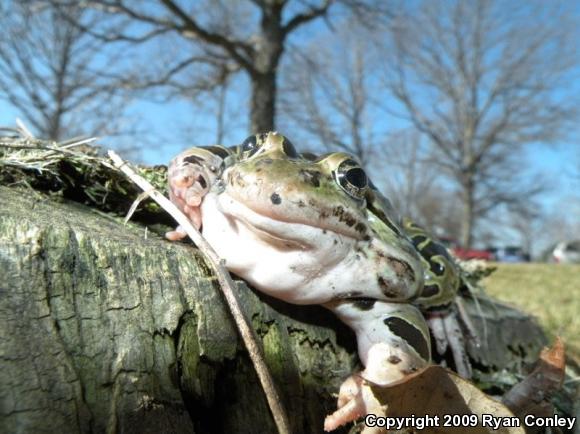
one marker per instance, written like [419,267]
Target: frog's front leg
[190,176]
[393,341]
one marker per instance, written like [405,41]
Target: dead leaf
[530,396]
[436,391]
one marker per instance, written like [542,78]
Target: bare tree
[414,185]
[482,80]
[56,75]
[221,38]
[329,94]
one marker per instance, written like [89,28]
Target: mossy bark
[107,329]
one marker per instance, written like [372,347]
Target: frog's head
[275,182]
[290,201]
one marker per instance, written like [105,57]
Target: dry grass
[75,170]
[551,292]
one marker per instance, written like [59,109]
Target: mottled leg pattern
[393,341]
[437,328]
[466,321]
[448,334]
[457,345]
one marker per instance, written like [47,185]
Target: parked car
[567,252]
[509,254]
[465,253]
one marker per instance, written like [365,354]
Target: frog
[319,233]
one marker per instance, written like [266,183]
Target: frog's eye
[352,178]
[289,148]
[250,146]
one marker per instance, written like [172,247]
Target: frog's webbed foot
[448,334]
[457,345]
[190,176]
[176,235]
[187,187]
[355,399]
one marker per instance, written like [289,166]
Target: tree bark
[263,108]
[467,215]
[106,330]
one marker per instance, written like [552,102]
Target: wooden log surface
[105,330]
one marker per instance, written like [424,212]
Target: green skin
[442,275]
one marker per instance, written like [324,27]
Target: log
[107,329]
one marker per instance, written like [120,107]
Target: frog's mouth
[286,233]
[285,206]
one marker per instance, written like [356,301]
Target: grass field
[551,292]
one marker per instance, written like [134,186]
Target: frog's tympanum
[315,231]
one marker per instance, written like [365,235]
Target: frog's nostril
[276,199]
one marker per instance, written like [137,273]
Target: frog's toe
[449,335]
[194,215]
[457,344]
[355,400]
[437,329]
[349,389]
[194,195]
[176,235]
[187,196]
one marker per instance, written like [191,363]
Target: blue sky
[175,125]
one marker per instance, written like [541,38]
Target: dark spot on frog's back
[410,334]
[289,149]
[402,269]
[361,228]
[202,181]
[387,289]
[430,291]
[276,199]
[344,216]
[394,360]
[418,240]
[311,177]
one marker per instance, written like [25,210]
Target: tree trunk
[467,214]
[105,329]
[263,102]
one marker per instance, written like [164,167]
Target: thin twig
[227,287]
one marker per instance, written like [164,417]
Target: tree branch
[231,46]
[305,17]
